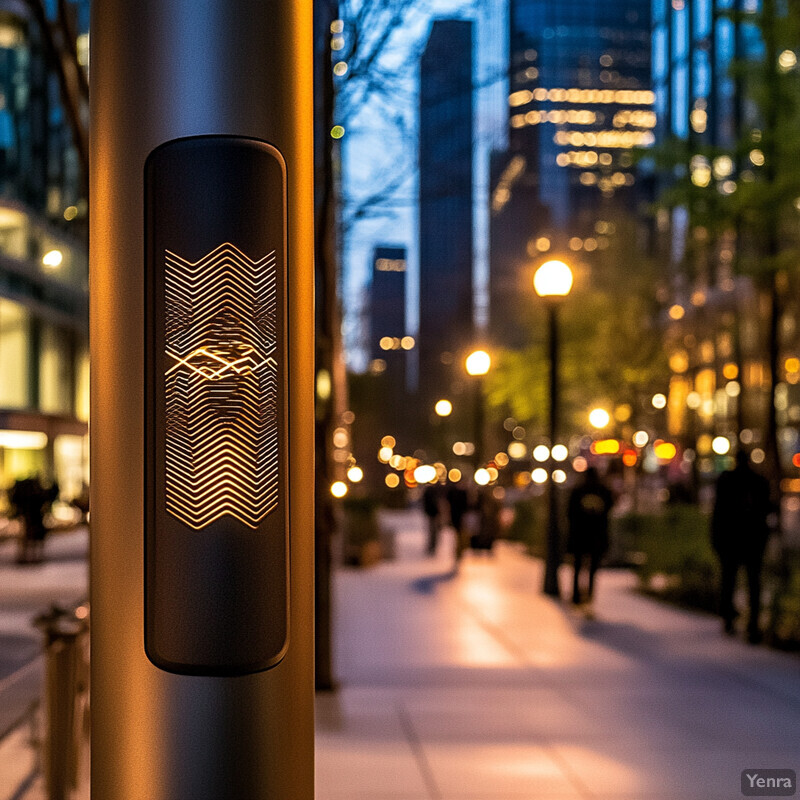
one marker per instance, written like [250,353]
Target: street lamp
[552,281]
[477,365]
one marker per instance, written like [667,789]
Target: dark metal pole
[202,654]
[478,455]
[553,554]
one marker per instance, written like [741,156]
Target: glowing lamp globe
[553,279]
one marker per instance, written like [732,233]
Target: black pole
[202,406]
[478,455]
[553,554]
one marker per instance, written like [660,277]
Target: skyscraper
[445,205]
[580,99]
[387,301]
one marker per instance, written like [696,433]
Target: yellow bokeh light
[444,408]
[501,459]
[355,474]
[539,475]
[338,488]
[478,363]
[605,447]
[721,445]
[425,473]
[52,259]
[541,452]
[791,365]
[622,413]
[388,441]
[454,475]
[677,311]
[665,451]
[731,371]
[482,476]
[517,450]
[385,454]
[599,418]
[553,279]
[392,480]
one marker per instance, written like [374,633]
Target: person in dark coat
[739,533]
[431,505]
[589,505]
[458,500]
[488,520]
[32,502]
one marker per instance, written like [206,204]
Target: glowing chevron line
[221,387]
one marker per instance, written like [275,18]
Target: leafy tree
[611,350]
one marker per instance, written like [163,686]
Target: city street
[475,686]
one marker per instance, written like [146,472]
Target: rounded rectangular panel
[216,505]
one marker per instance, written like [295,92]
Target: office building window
[14,355]
[55,372]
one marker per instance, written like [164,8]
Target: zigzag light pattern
[221,387]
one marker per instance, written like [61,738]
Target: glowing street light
[478,363]
[599,418]
[552,281]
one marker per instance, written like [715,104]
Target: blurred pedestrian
[458,500]
[488,520]
[32,502]
[589,505]
[432,506]
[739,533]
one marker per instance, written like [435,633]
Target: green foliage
[529,525]
[359,527]
[677,562]
[610,350]
[785,612]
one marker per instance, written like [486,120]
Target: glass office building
[44,359]
[580,100]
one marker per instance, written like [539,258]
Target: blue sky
[373,145]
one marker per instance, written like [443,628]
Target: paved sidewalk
[475,686]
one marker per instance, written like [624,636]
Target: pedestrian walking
[589,505]
[488,521]
[432,506]
[458,501]
[32,502]
[739,533]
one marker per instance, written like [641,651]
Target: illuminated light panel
[221,387]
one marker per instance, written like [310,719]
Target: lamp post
[202,239]
[477,364]
[552,281]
